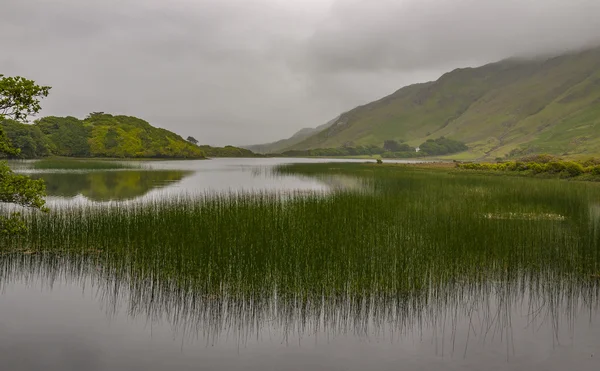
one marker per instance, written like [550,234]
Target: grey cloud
[388,34]
[247,71]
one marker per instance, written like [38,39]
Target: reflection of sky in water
[195,177]
[73,327]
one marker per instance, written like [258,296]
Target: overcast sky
[252,71]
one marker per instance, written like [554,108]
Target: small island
[102,135]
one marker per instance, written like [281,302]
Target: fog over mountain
[240,72]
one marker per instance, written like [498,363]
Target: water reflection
[109,185]
[435,272]
[497,323]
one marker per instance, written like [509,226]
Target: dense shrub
[395,146]
[555,167]
[227,151]
[537,168]
[442,146]
[573,169]
[28,138]
[592,162]
[567,169]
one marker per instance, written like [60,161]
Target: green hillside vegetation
[227,151]
[99,135]
[391,149]
[505,109]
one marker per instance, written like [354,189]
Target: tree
[192,140]
[28,138]
[19,98]
[394,146]
[391,145]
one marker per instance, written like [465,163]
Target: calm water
[59,315]
[163,179]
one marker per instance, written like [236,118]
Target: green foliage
[548,165]
[130,137]
[442,146]
[437,147]
[22,191]
[574,169]
[395,146]
[192,140]
[19,98]
[369,150]
[227,151]
[67,136]
[29,139]
[540,158]
[99,135]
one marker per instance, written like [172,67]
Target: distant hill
[99,135]
[282,145]
[227,151]
[509,108]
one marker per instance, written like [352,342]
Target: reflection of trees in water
[109,185]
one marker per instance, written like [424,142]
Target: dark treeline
[228,151]
[390,149]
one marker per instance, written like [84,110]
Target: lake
[174,178]
[238,264]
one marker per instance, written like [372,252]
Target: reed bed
[409,246]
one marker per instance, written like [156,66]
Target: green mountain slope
[513,106]
[99,135]
[281,145]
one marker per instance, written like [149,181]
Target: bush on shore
[540,164]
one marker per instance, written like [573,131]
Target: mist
[246,72]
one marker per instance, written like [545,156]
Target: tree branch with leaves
[19,98]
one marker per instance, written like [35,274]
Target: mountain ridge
[506,108]
[280,145]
